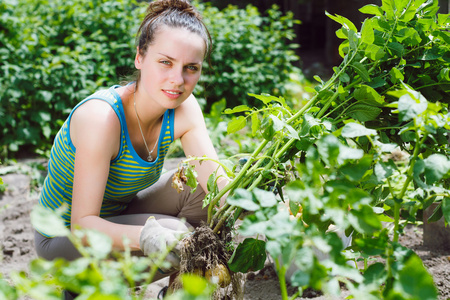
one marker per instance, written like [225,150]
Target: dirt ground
[17,245]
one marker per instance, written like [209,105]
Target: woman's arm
[196,141]
[95,133]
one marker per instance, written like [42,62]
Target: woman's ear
[138,59]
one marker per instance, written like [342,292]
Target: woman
[106,160]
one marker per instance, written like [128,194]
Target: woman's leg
[162,198]
[56,247]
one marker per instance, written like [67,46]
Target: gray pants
[159,200]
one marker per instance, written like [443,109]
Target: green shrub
[252,53]
[55,53]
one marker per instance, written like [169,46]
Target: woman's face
[171,67]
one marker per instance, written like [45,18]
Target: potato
[219,274]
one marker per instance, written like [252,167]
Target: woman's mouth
[172,94]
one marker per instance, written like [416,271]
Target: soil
[17,245]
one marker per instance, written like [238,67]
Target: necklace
[149,157]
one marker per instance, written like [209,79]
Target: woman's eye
[192,68]
[165,62]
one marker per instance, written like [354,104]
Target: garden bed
[17,244]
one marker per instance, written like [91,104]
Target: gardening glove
[155,239]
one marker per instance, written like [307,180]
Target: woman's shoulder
[95,120]
[189,108]
[188,116]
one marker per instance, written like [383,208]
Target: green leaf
[436,215]
[414,282]
[410,105]
[249,256]
[436,166]
[363,112]
[372,9]
[409,37]
[396,49]
[375,274]
[346,153]
[100,244]
[191,175]
[364,220]
[353,40]
[356,171]
[361,70]
[430,54]
[444,75]
[389,8]
[265,198]
[244,199]
[328,148]
[268,130]
[352,130]
[346,23]
[367,33]
[195,286]
[368,95]
[266,98]
[237,109]
[256,124]
[374,52]
[236,124]
[408,14]
[383,170]
[371,245]
[49,221]
[396,75]
[446,209]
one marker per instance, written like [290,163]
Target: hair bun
[160,6]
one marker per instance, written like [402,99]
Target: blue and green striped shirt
[128,174]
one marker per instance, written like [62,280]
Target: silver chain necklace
[149,157]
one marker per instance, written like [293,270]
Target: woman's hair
[174,14]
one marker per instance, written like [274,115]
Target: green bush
[252,53]
[55,53]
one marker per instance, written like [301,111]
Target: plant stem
[409,178]
[232,184]
[282,279]
[328,104]
[224,218]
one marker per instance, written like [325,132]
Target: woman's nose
[176,77]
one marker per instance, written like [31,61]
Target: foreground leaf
[248,256]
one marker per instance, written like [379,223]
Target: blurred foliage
[55,53]
[252,53]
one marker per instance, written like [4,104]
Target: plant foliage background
[55,53]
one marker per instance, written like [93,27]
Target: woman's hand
[155,239]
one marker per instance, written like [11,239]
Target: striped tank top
[128,174]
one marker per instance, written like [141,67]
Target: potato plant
[370,147]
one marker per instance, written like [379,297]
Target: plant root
[202,252]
